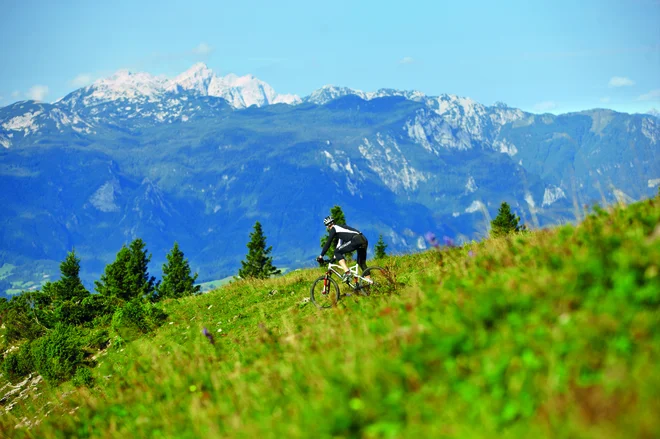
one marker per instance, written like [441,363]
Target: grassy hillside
[553,333]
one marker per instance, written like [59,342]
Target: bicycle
[325,291]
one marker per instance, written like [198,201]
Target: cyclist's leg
[341,259]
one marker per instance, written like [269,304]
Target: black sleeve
[331,237]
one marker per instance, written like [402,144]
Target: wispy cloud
[37,92]
[407,60]
[82,80]
[15,94]
[605,100]
[620,81]
[650,96]
[202,49]
[545,106]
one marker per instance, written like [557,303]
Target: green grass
[553,333]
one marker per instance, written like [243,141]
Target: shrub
[136,317]
[83,377]
[17,365]
[58,354]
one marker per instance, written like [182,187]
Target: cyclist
[348,240]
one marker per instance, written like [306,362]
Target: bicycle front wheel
[379,280]
[324,293]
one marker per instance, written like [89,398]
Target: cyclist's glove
[319,259]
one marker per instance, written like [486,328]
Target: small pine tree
[69,287]
[505,223]
[177,281]
[380,248]
[338,215]
[127,277]
[257,263]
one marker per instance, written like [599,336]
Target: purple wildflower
[208,335]
[448,241]
[471,254]
[432,240]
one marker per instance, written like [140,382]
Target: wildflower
[471,254]
[208,335]
[432,240]
[448,241]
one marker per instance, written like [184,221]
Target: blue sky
[554,56]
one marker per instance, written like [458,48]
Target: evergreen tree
[505,222]
[338,215]
[177,281]
[69,287]
[67,295]
[257,263]
[128,278]
[380,248]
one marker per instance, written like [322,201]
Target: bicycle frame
[353,270]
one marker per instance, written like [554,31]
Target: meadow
[544,333]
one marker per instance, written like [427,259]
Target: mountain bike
[325,291]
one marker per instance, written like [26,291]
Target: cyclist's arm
[331,237]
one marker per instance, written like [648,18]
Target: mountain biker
[348,240]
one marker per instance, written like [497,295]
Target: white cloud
[82,80]
[15,94]
[545,106]
[620,81]
[407,60]
[37,92]
[605,100]
[650,96]
[202,49]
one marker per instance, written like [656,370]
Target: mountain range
[199,158]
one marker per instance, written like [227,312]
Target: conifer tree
[257,263]
[505,222]
[128,277]
[380,248]
[338,215]
[69,286]
[177,281]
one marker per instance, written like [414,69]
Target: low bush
[58,354]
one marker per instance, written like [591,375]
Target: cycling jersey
[342,233]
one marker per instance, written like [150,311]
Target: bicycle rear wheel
[382,281]
[324,293]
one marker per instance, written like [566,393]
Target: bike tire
[383,281]
[324,294]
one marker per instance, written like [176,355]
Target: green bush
[59,353]
[83,377]
[97,339]
[135,318]
[20,364]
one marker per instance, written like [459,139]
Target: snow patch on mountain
[389,163]
[654,182]
[126,85]
[470,186]
[461,112]
[4,141]
[25,122]
[651,129]
[329,93]
[505,147]
[530,201]
[429,131]
[331,161]
[476,206]
[551,195]
[104,198]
